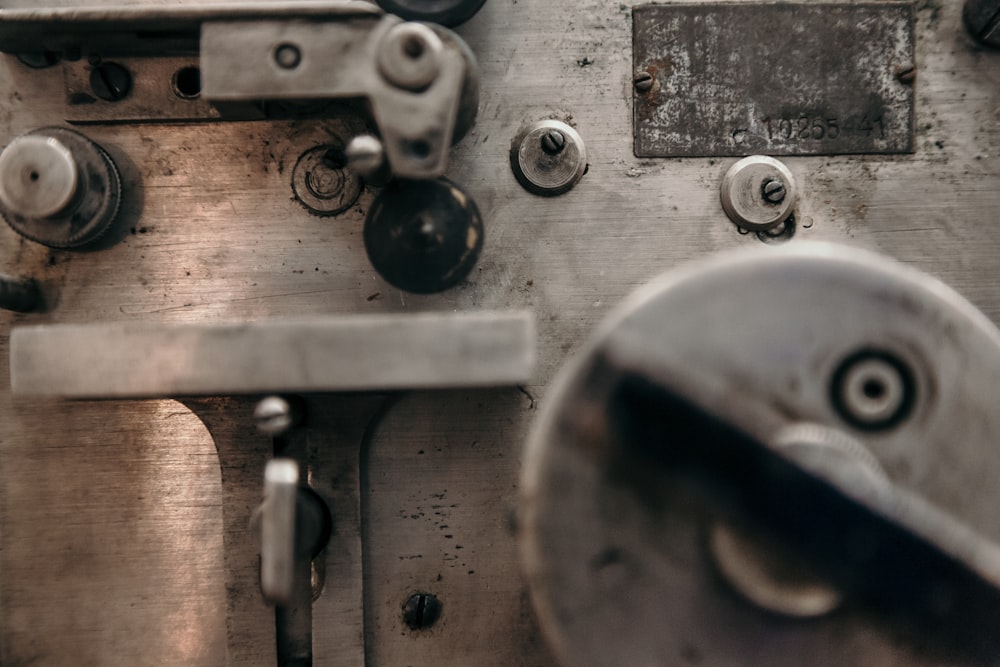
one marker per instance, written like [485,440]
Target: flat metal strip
[734,79]
[323,354]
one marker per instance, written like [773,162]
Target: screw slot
[421,610]
[187,83]
[110,82]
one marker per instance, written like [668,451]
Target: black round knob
[423,236]
[445,12]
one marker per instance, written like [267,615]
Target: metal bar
[322,354]
[142,28]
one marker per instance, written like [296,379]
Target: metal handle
[876,542]
[277,534]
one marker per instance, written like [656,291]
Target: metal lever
[916,562]
[261,61]
[277,530]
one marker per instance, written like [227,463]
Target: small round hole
[873,389]
[34,176]
[419,149]
[413,47]
[187,83]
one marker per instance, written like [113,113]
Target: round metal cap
[410,56]
[58,188]
[445,12]
[423,236]
[38,177]
[548,158]
[758,193]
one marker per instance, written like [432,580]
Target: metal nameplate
[779,79]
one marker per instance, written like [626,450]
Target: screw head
[553,142]
[773,191]
[643,82]
[421,611]
[110,81]
[275,415]
[906,75]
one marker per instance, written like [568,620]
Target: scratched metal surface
[110,513]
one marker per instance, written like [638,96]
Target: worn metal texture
[635,458]
[335,354]
[130,570]
[774,78]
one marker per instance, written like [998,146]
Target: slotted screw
[553,142]
[421,611]
[643,82]
[773,191]
[110,81]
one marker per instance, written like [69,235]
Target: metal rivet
[643,82]
[287,56]
[110,81]
[421,611]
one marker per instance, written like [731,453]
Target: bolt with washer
[58,188]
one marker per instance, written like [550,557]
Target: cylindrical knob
[38,177]
[423,236]
[445,12]
[58,188]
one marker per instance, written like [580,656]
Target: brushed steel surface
[217,236]
[331,354]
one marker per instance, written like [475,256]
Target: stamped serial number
[818,128]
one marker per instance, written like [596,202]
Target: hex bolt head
[110,81]
[421,611]
[643,82]
[553,142]
[773,191]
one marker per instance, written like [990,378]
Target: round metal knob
[38,177]
[445,12]
[772,435]
[758,193]
[58,188]
[548,157]
[423,236]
